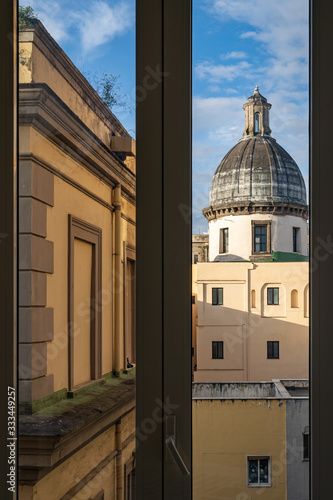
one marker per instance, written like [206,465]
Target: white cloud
[234,55]
[100,23]
[95,22]
[219,72]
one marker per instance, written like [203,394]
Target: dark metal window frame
[217,346]
[154,21]
[271,349]
[271,299]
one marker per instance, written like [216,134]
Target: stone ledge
[52,435]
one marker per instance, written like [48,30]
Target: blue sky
[237,44]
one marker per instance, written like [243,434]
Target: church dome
[257,174]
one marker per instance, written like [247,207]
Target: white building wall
[240,235]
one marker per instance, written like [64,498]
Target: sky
[237,44]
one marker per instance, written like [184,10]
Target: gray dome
[257,171]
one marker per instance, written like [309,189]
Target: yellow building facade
[246,327]
[248,441]
[76,282]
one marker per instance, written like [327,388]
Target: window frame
[259,457]
[224,241]
[84,231]
[273,303]
[296,232]
[218,296]
[268,225]
[149,30]
[218,342]
[273,342]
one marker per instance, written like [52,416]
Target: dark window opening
[217,296]
[273,350]
[196,258]
[306,447]
[224,240]
[217,350]
[272,296]
[258,471]
[295,239]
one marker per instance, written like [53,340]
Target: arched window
[253,298]
[294,298]
[256,123]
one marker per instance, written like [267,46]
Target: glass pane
[253,472]
[264,470]
[250,176]
[77,179]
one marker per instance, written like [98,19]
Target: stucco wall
[245,330]
[297,414]
[240,235]
[225,432]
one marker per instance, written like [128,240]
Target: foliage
[26,16]
[108,87]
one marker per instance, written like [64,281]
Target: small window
[224,240]
[196,258]
[294,298]
[260,239]
[306,443]
[273,349]
[272,296]
[193,299]
[217,296]
[256,123]
[296,239]
[253,298]
[258,471]
[217,350]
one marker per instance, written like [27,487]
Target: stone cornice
[53,52]
[41,108]
[46,441]
[269,208]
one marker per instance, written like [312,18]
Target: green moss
[29,407]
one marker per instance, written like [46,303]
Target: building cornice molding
[269,208]
[42,39]
[46,442]
[41,108]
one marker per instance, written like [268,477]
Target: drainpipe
[118,281]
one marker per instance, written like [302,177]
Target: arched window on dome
[294,298]
[256,123]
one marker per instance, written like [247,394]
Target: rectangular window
[196,258]
[273,350]
[224,240]
[260,239]
[272,296]
[217,350]
[217,296]
[306,446]
[258,471]
[295,239]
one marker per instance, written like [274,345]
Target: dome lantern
[257,115]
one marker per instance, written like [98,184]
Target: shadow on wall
[229,258]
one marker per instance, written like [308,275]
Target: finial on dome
[256,89]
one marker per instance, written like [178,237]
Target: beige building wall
[245,323]
[77,279]
[225,433]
